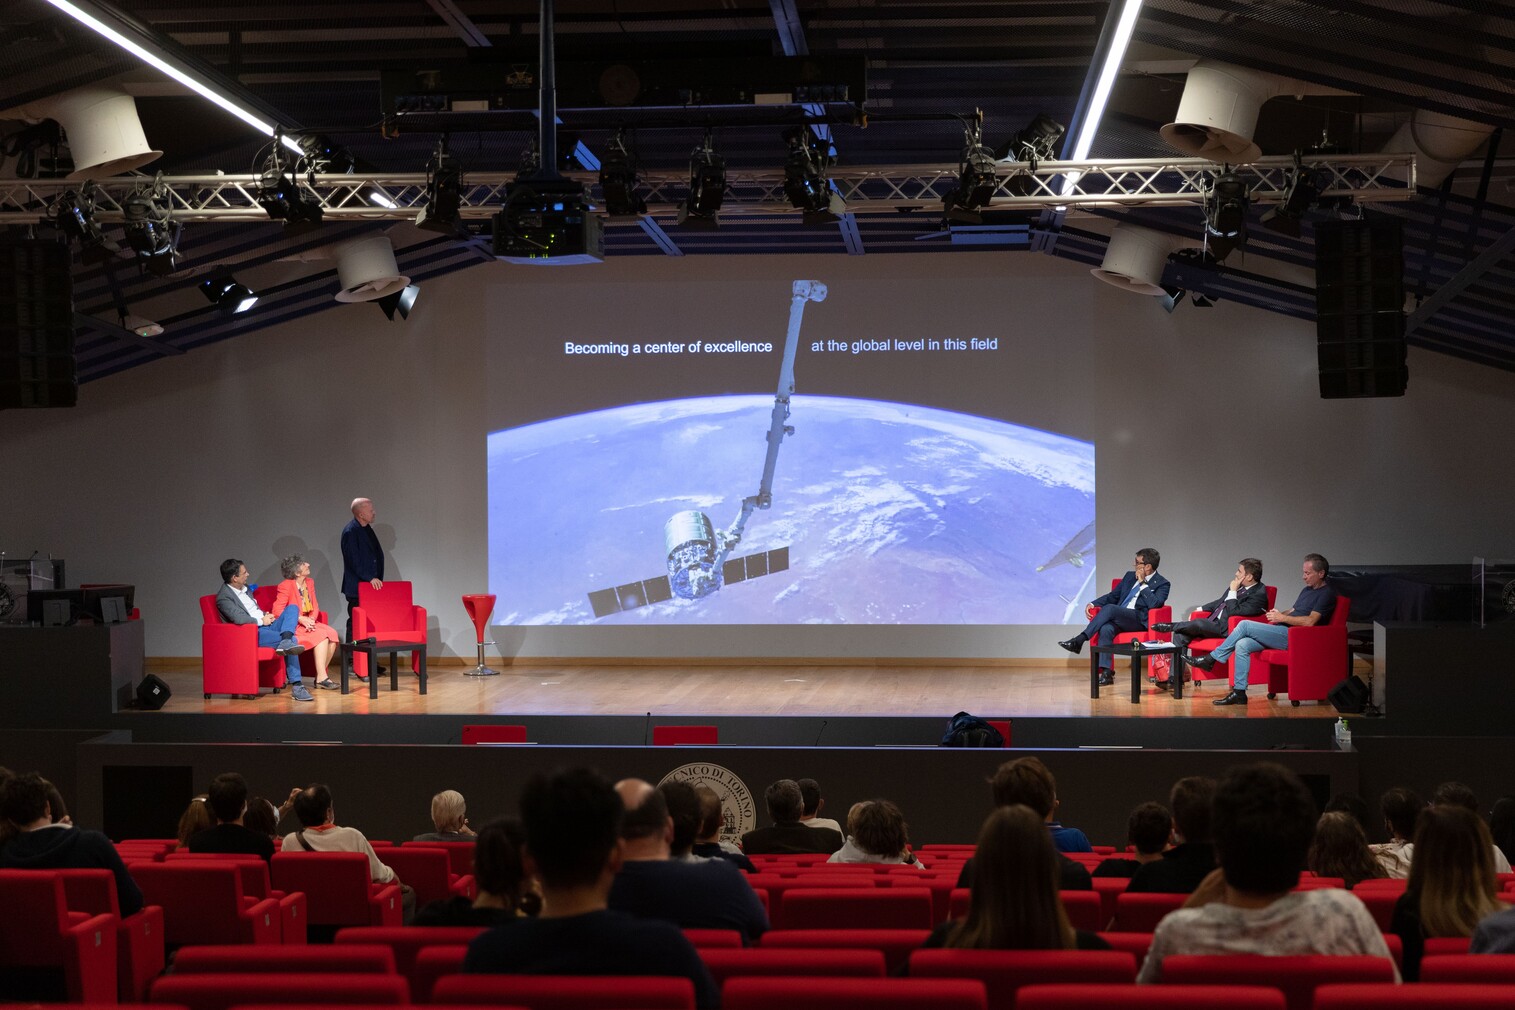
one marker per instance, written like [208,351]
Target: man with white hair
[449,814]
[362,559]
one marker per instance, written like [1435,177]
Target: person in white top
[876,833]
[1400,808]
[1263,822]
[321,833]
[810,794]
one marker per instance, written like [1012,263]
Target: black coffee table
[372,648]
[1138,654]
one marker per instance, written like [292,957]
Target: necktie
[1135,592]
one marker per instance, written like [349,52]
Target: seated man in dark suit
[228,801]
[1030,783]
[236,606]
[1124,608]
[1246,596]
[1183,867]
[573,820]
[42,844]
[788,833]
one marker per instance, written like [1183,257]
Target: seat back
[1493,969]
[1434,944]
[36,914]
[368,959]
[432,963]
[1296,974]
[459,855]
[389,608]
[408,942]
[1380,902]
[1003,972]
[202,901]
[1389,996]
[1140,913]
[493,733]
[672,736]
[568,992]
[760,993]
[713,939]
[336,884]
[427,870]
[727,963]
[895,944]
[854,908]
[1085,996]
[254,871]
[224,990]
[208,612]
[91,891]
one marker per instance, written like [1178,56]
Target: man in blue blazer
[1124,608]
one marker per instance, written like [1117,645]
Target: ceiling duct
[105,136]
[1439,143]
[1218,112]
[367,271]
[1135,258]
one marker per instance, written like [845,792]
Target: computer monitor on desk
[108,604]
[54,608]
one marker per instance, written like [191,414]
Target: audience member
[1147,830]
[448,816]
[1502,825]
[1452,883]
[319,832]
[572,820]
[684,812]
[504,891]
[1353,804]
[1455,794]
[708,841]
[1340,849]
[1400,808]
[1015,903]
[195,819]
[810,793]
[57,806]
[7,829]
[228,801]
[710,894]
[1029,782]
[1192,858]
[40,843]
[262,817]
[876,833]
[788,833]
[1263,820]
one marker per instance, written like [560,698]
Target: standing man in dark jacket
[362,557]
[43,845]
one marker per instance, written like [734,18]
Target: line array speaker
[37,367]
[1359,308]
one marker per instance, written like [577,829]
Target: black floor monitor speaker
[1359,308]
[1349,696]
[37,366]
[152,693]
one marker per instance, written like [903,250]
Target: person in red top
[299,590]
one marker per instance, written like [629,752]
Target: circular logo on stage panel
[738,812]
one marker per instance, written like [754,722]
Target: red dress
[290,593]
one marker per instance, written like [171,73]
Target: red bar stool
[479,607]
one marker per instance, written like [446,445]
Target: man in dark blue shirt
[1313,606]
[362,557]
[572,820]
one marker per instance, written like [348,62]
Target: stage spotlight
[324,157]
[74,215]
[401,301]
[280,197]
[1302,193]
[805,182]
[1171,297]
[618,180]
[1037,142]
[707,186]
[976,178]
[151,233]
[227,295]
[1226,214]
[444,194]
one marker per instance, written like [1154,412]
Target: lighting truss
[1179,182]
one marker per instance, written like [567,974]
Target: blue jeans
[270,634]
[1246,638]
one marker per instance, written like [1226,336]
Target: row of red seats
[459,854]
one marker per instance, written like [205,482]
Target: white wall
[253,447]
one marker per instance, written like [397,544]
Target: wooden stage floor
[1053,690]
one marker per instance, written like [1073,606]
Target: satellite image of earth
[892,513]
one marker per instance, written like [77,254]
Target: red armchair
[231,661]
[389,615]
[337,888]
[1316,659]
[1222,671]
[204,903]
[38,931]
[140,956]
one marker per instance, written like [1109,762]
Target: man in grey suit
[236,606]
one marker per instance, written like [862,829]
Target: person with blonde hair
[1340,849]
[1452,882]
[449,817]
[195,819]
[1015,903]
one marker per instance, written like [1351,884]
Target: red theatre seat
[1140,913]
[723,964]
[409,943]
[568,992]
[1491,969]
[139,938]
[1222,671]
[856,908]
[234,989]
[203,902]
[368,959]
[1003,972]
[683,736]
[475,733]
[1436,945]
[1380,902]
[757,993]
[37,931]
[713,939]
[389,615]
[256,884]
[1414,997]
[230,660]
[1315,661]
[433,963]
[1148,997]
[459,854]
[1297,975]
[1155,615]
[429,872]
[895,944]
[337,888]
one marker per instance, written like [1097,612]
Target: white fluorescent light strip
[199,87]
[1102,87]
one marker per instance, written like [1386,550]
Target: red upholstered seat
[390,615]
[37,931]
[409,943]
[1381,884]
[230,660]
[896,944]
[1421,996]
[1108,889]
[429,872]
[476,733]
[1137,944]
[256,883]
[1315,661]
[759,993]
[713,939]
[856,908]
[1140,913]
[203,903]
[1296,975]
[1003,972]
[459,854]
[1380,902]
[433,963]
[674,736]
[1222,671]
[1085,909]
[1494,969]
[1083,996]
[1436,945]
[139,938]
[724,963]
[569,992]
[941,886]
[234,989]
[1155,615]
[367,959]
[337,888]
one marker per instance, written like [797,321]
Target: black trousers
[1186,632]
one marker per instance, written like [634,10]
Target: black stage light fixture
[444,194]
[325,157]
[401,301]
[227,295]
[1200,301]
[707,186]
[1171,297]
[1037,142]
[280,197]
[976,177]
[618,180]
[151,233]
[74,215]
[1302,193]
[1226,214]
[805,182]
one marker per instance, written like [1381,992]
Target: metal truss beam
[1107,183]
